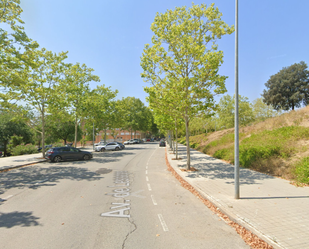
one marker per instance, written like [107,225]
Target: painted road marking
[147,179]
[149,188]
[122,190]
[153,200]
[146,172]
[164,226]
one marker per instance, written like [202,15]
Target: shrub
[302,171]
[222,154]
[194,145]
[247,155]
[24,149]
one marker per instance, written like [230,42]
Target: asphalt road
[120,199]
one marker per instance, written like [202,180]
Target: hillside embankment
[277,146]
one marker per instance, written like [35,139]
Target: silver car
[109,146]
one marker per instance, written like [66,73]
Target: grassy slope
[276,146]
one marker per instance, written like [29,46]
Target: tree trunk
[5,148]
[187,141]
[176,144]
[43,131]
[105,136]
[75,139]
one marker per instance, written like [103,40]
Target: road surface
[120,199]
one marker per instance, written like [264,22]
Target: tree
[9,128]
[38,79]
[185,59]
[226,111]
[76,92]
[136,116]
[101,108]
[64,130]
[14,44]
[261,111]
[288,88]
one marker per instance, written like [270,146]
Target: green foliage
[302,171]
[288,88]
[136,116]
[24,149]
[226,111]
[263,111]
[194,145]
[183,62]
[247,155]
[223,154]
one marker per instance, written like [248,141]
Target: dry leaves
[250,238]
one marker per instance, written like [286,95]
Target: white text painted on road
[122,182]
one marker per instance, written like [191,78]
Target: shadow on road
[23,219]
[36,176]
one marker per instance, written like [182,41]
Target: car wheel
[86,157]
[116,148]
[57,159]
[103,149]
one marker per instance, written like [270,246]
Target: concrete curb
[234,218]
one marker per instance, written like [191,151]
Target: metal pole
[93,135]
[236,168]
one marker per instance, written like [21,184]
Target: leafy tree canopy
[184,58]
[288,88]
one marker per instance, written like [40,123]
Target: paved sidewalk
[17,161]
[271,208]
[22,160]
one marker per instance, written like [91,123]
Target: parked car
[46,147]
[126,142]
[131,141]
[100,143]
[121,145]
[58,154]
[162,143]
[109,146]
[136,141]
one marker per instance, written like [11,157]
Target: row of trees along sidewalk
[54,90]
[183,62]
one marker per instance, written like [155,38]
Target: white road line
[146,172]
[164,226]
[147,179]
[149,187]
[153,200]
[146,167]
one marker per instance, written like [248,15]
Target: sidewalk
[22,160]
[18,161]
[271,208]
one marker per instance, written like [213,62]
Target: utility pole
[236,167]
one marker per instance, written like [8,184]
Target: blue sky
[109,36]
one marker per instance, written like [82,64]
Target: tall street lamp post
[236,167]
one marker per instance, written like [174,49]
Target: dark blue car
[58,154]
